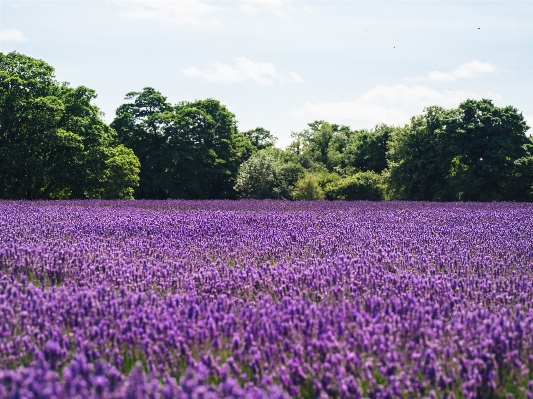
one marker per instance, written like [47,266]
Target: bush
[360,186]
[325,178]
[307,188]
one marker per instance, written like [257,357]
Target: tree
[53,142]
[258,177]
[225,147]
[260,138]
[289,174]
[367,149]
[320,144]
[139,126]
[476,152]
[492,157]
[418,159]
[266,175]
[190,150]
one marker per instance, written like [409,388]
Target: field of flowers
[265,299]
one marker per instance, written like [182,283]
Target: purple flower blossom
[265,299]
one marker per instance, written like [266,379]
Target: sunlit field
[265,299]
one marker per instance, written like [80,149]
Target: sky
[281,64]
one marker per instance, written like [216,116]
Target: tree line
[54,144]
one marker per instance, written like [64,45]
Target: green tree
[258,177]
[191,150]
[367,149]
[139,126]
[266,175]
[224,145]
[476,152]
[318,148]
[53,142]
[418,159]
[260,138]
[492,157]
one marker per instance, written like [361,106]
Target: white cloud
[437,76]
[12,35]
[472,69]
[263,73]
[181,12]
[386,104]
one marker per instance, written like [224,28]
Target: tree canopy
[260,138]
[190,150]
[476,152]
[53,142]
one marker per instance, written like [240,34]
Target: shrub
[360,186]
[307,188]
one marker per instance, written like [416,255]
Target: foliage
[53,142]
[258,177]
[121,174]
[367,149]
[326,147]
[419,159]
[265,175]
[307,188]
[322,144]
[325,178]
[191,150]
[493,158]
[360,186]
[260,138]
[477,152]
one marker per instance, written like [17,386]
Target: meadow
[265,299]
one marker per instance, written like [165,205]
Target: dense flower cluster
[265,299]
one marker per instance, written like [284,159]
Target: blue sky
[281,64]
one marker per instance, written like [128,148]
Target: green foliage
[325,178]
[360,186]
[260,138]
[307,188]
[53,143]
[367,149]
[265,175]
[121,174]
[192,150]
[131,357]
[326,147]
[139,126]
[322,143]
[477,152]
[257,177]
[492,155]
[419,159]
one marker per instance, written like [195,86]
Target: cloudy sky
[281,64]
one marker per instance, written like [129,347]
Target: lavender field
[265,299]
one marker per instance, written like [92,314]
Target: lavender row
[313,300]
